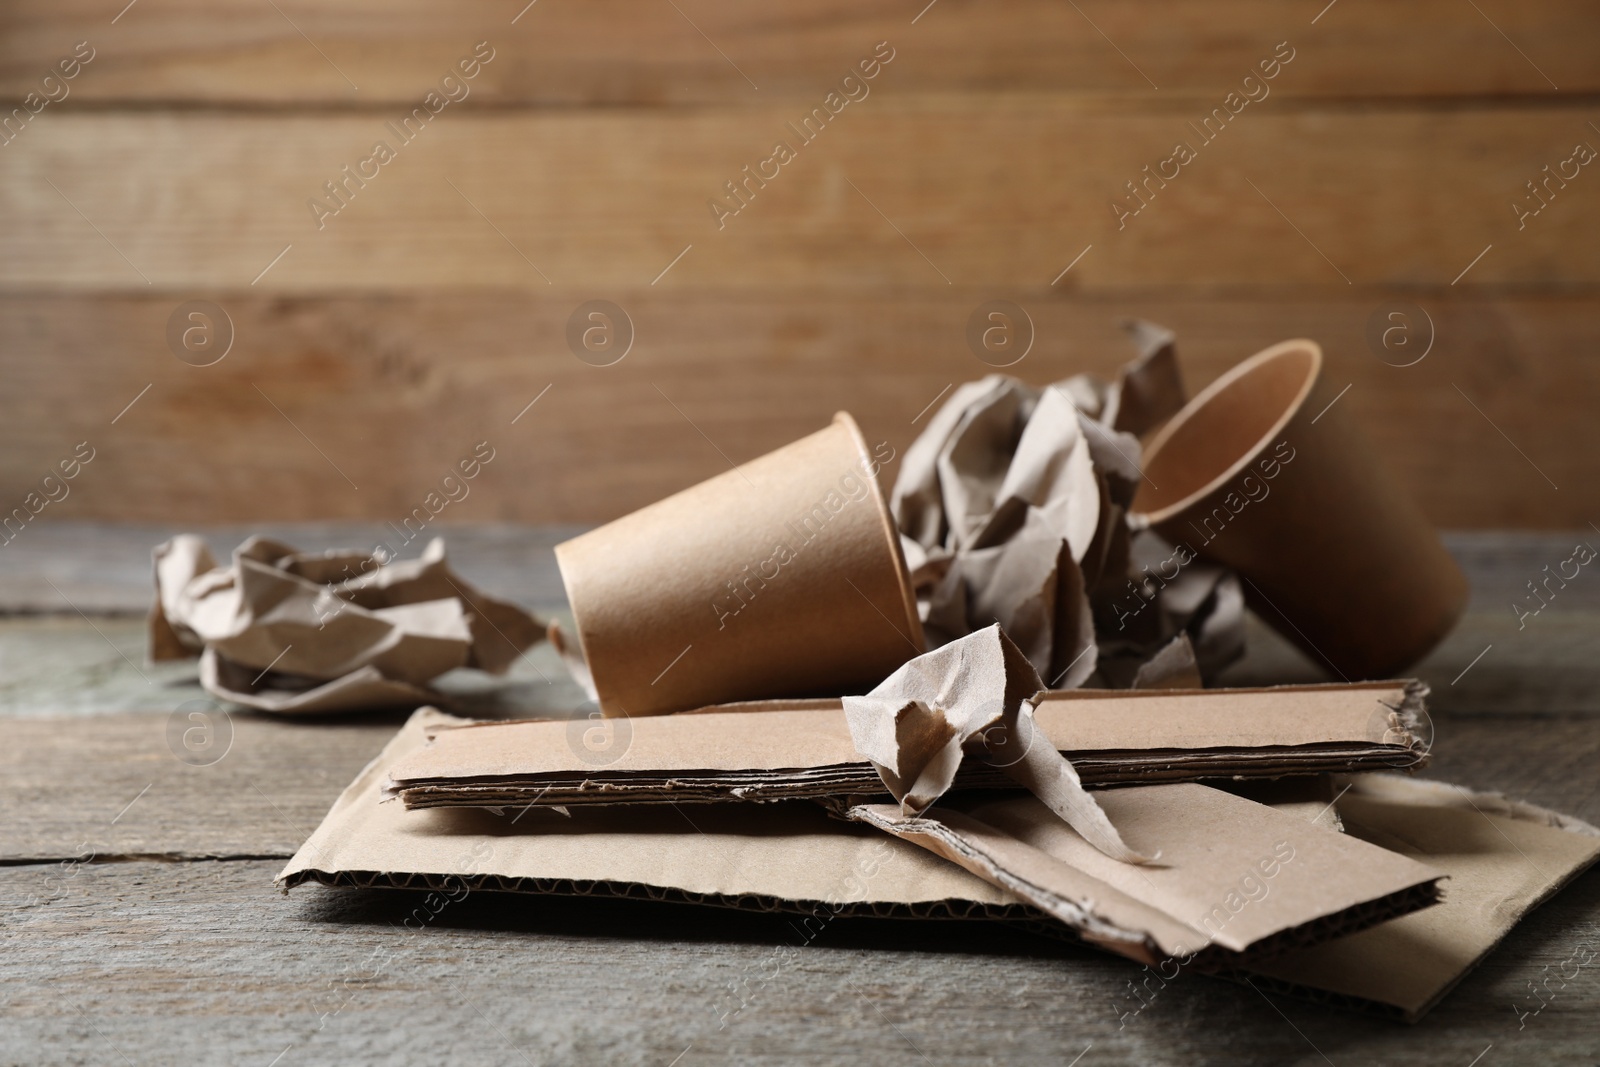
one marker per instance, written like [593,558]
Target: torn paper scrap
[971,697]
[1237,880]
[283,630]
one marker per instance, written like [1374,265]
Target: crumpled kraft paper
[971,697]
[1013,508]
[287,631]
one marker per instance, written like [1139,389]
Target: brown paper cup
[1260,473]
[781,578]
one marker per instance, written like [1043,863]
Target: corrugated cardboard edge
[1486,803]
[943,909]
[303,868]
[945,839]
[1393,733]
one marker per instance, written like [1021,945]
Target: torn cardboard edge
[797,857]
[776,750]
[1199,904]
[1504,858]
[790,857]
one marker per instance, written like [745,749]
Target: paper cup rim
[1202,399]
[891,533]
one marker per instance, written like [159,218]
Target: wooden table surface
[139,923]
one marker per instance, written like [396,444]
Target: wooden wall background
[372,354]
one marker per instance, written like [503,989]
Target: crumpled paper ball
[1013,506]
[289,631]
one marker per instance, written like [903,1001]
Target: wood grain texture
[184,52]
[110,786]
[393,390]
[203,962]
[103,569]
[890,195]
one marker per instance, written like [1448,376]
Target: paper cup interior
[1224,428]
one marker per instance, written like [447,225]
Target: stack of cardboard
[772,750]
[1328,898]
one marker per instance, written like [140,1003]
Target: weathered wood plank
[104,568]
[394,390]
[115,786]
[192,962]
[237,52]
[891,194]
[64,664]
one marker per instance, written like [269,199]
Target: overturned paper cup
[1262,472]
[782,577]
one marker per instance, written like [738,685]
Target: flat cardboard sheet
[1503,859]
[1236,880]
[779,750]
[788,857]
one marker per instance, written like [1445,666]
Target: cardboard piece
[1264,473]
[1237,880]
[1504,858]
[782,577]
[790,857]
[780,750]
[287,631]
[1012,506]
